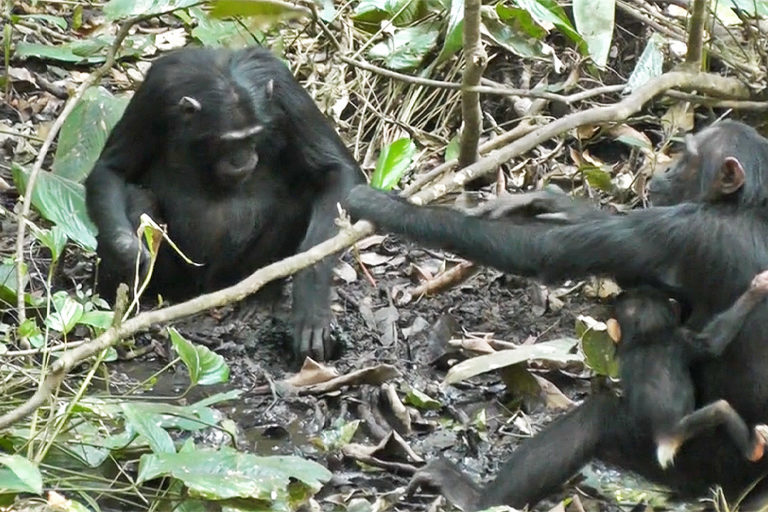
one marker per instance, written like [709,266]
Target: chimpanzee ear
[731,176]
[189,105]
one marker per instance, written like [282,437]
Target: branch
[702,82]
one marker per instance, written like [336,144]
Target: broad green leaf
[393,161]
[264,12]
[213,32]
[520,20]
[118,9]
[559,350]
[56,21]
[66,312]
[54,239]
[372,11]
[454,36]
[9,285]
[144,422]
[91,51]
[85,131]
[61,201]
[594,21]
[649,65]
[547,13]
[63,53]
[752,7]
[512,39]
[226,474]
[205,367]
[407,47]
[99,319]
[19,474]
[598,347]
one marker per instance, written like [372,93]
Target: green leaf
[594,21]
[227,474]
[548,12]
[265,12]
[394,160]
[144,421]
[61,201]
[598,347]
[597,178]
[63,53]
[560,350]
[454,36]
[649,65]
[54,239]
[213,32]
[90,51]
[520,20]
[408,46]
[513,39]
[19,475]
[66,312]
[421,400]
[453,148]
[56,21]
[337,437]
[118,9]
[85,131]
[205,367]
[98,319]
[9,286]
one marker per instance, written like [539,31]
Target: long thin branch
[474,65]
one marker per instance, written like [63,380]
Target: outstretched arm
[645,246]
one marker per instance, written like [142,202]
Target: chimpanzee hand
[550,204]
[452,483]
[122,248]
[312,314]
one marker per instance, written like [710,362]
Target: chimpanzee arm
[715,337]
[311,295]
[128,152]
[644,246]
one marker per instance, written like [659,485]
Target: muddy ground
[378,324]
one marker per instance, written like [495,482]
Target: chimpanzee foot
[760,440]
[666,449]
[444,476]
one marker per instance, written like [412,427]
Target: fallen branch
[702,82]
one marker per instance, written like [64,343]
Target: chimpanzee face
[707,172]
[221,133]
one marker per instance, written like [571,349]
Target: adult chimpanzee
[704,253]
[231,153]
[655,357]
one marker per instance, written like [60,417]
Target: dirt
[255,338]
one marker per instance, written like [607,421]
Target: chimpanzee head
[641,311]
[215,117]
[727,162]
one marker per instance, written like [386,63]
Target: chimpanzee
[703,253]
[229,151]
[655,356]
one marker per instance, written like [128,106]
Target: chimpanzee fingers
[313,341]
